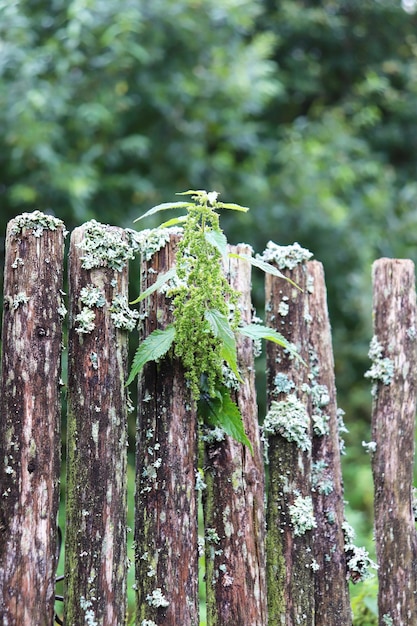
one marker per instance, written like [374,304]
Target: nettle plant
[206,315]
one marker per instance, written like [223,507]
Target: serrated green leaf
[191,192]
[220,410]
[218,240]
[232,206]
[152,348]
[164,207]
[264,266]
[258,331]
[220,327]
[174,221]
[160,281]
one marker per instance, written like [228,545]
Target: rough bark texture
[166,557]
[95,546]
[234,497]
[290,575]
[332,605]
[393,426]
[30,423]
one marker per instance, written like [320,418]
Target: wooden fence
[286,562]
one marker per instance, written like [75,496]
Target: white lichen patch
[382,368]
[358,561]
[106,246]
[283,384]
[370,446]
[283,308]
[62,310]
[341,430]
[18,262]
[19,300]
[200,485]
[213,435]
[211,536]
[286,257]
[411,332]
[288,418]
[321,482]
[37,221]
[123,317]
[150,241]
[302,515]
[90,618]
[320,423]
[148,622]
[85,320]
[92,296]
[157,599]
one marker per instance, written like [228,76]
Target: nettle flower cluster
[205,312]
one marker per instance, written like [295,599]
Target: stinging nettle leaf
[175,220]
[220,410]
[232,206]
[160,281]
[164,207]
[191,192]
[218,240]
[264,266]
[152,348]
[220,327]
[258,331]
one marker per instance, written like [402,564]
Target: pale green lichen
[92,296]
[341,430]
[358,561]
[370,446]
[321,482]
[38,221]
[282,384]
[387,620]
[302,515]
[213,435]
[150,241]
[85,320]
[230,380]
[283,308]
[19,300]
[157,599]
[320,423]
[211,536]
[382,368]
[62,310]
[94,360]
[106,246]
[288,418]
[285,257]
[200,485]
[411,332]
[18,262]
[122,315]
[85,605]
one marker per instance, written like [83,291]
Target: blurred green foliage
[302,110]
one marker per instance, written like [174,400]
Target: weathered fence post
[30,418]
[166,546]
[332,605]
[393,372]
[95,546]
[287,431]
[234,496]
